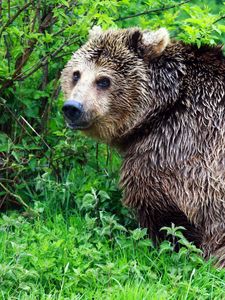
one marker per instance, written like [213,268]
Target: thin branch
[68,42]
[28,124]
[64,54]
[0,12]
[2,201]
[157,10]
[60,31]
[12,19]
[22,60]
[44,60]
[219,19]
[9,7]
[16,196]
[21,125]
[8,54]
[37,13]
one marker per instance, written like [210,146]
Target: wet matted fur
[165,112]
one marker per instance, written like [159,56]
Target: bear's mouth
[80,126]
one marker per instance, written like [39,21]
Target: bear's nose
[72,110]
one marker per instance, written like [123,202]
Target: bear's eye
[76,76]
[103,83]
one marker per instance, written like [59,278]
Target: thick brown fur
[166,114]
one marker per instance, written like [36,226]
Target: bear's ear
[134,39]
[155,42]
[149,44]
[95,32]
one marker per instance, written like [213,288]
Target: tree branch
[219,19]
[44,59]
[12,19]
[37,15]
[0,12]
[16,196]
[9,7]
[21,125]
[157,10]
[21,61]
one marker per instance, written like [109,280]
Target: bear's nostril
[72,113]
[72,110]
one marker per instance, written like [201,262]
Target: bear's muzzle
[74,114]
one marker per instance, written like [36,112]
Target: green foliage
[97,258]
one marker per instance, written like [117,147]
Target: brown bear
[162,104]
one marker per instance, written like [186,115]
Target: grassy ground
[84,257]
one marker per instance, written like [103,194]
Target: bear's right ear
[95,32]
[149,44]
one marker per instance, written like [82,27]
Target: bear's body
[163,107]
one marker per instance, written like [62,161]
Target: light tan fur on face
[95,101]
[85,91]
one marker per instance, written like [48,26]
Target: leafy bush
[97,258]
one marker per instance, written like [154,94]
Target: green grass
[84,257]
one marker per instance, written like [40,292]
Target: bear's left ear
[149,44]
[95,32]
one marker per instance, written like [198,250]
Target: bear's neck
[134,134]
[146,127]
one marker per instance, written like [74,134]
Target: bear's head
[105,84]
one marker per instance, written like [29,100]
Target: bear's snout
[74,114]
[72,110]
